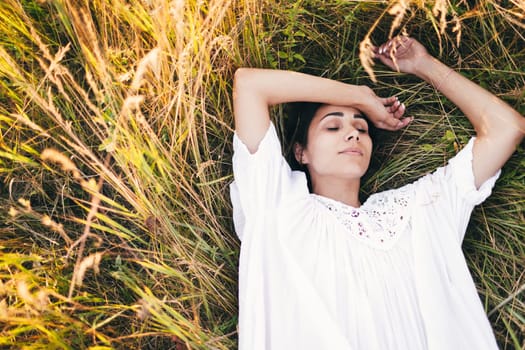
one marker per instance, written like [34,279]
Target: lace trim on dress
[379,221]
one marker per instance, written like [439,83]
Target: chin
[348,172]
[354,174]
[354,171]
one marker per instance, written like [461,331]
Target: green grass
[122,238]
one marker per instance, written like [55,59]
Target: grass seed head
[398,10]
[92,261]
[149,63]
[52,155]
[366,55]
[440,11]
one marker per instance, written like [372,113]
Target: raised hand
[403,54]
[386,113]
[499,128]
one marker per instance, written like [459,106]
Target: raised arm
[255,90]
[499,128]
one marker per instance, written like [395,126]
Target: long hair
[299,118]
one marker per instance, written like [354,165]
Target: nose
[352,134]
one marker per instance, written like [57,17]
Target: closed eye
[362,131]
[333,128]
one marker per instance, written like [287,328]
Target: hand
[403,54]
[385,113]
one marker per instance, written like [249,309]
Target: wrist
[432,71]
[360,96]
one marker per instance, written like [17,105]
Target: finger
[405,122]
[383,48]
[385,126]
[386,48]
[398,40]
[403,39]
[391,46]
[378,52]
[385,60]
[403,43]
[394,107]
[401,123]
[400,110]
[395,124]
[375,50]
[389,101]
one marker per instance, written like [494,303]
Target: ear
[298,150]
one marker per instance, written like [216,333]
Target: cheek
[370,147]
[366,140]
[319,147]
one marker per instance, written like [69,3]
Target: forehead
[341,111]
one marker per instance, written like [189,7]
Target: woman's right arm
[499,127]
[255,90]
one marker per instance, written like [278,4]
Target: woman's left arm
[499,128]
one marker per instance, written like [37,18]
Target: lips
[352,151]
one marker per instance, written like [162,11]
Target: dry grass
[116,123]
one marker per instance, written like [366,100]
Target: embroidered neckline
[379,221]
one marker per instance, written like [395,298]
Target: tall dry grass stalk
[124,98]
[116,121]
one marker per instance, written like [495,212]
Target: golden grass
[116,121]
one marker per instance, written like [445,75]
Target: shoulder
[456,180]
[266,158]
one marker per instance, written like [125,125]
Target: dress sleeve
[261,180]
[451,194]
[462,174]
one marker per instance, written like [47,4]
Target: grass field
[115,148]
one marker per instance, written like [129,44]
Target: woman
[321,270]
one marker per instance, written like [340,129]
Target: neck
[342,190]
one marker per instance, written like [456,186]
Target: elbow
[510,132]
[241,72]
[237,83]
[249,83]
[239,75]
[241,79]
[240,84]
[515,130]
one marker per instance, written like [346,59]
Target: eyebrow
[341,114]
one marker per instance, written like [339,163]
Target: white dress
[315,273]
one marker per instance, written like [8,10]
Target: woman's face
[339,145]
